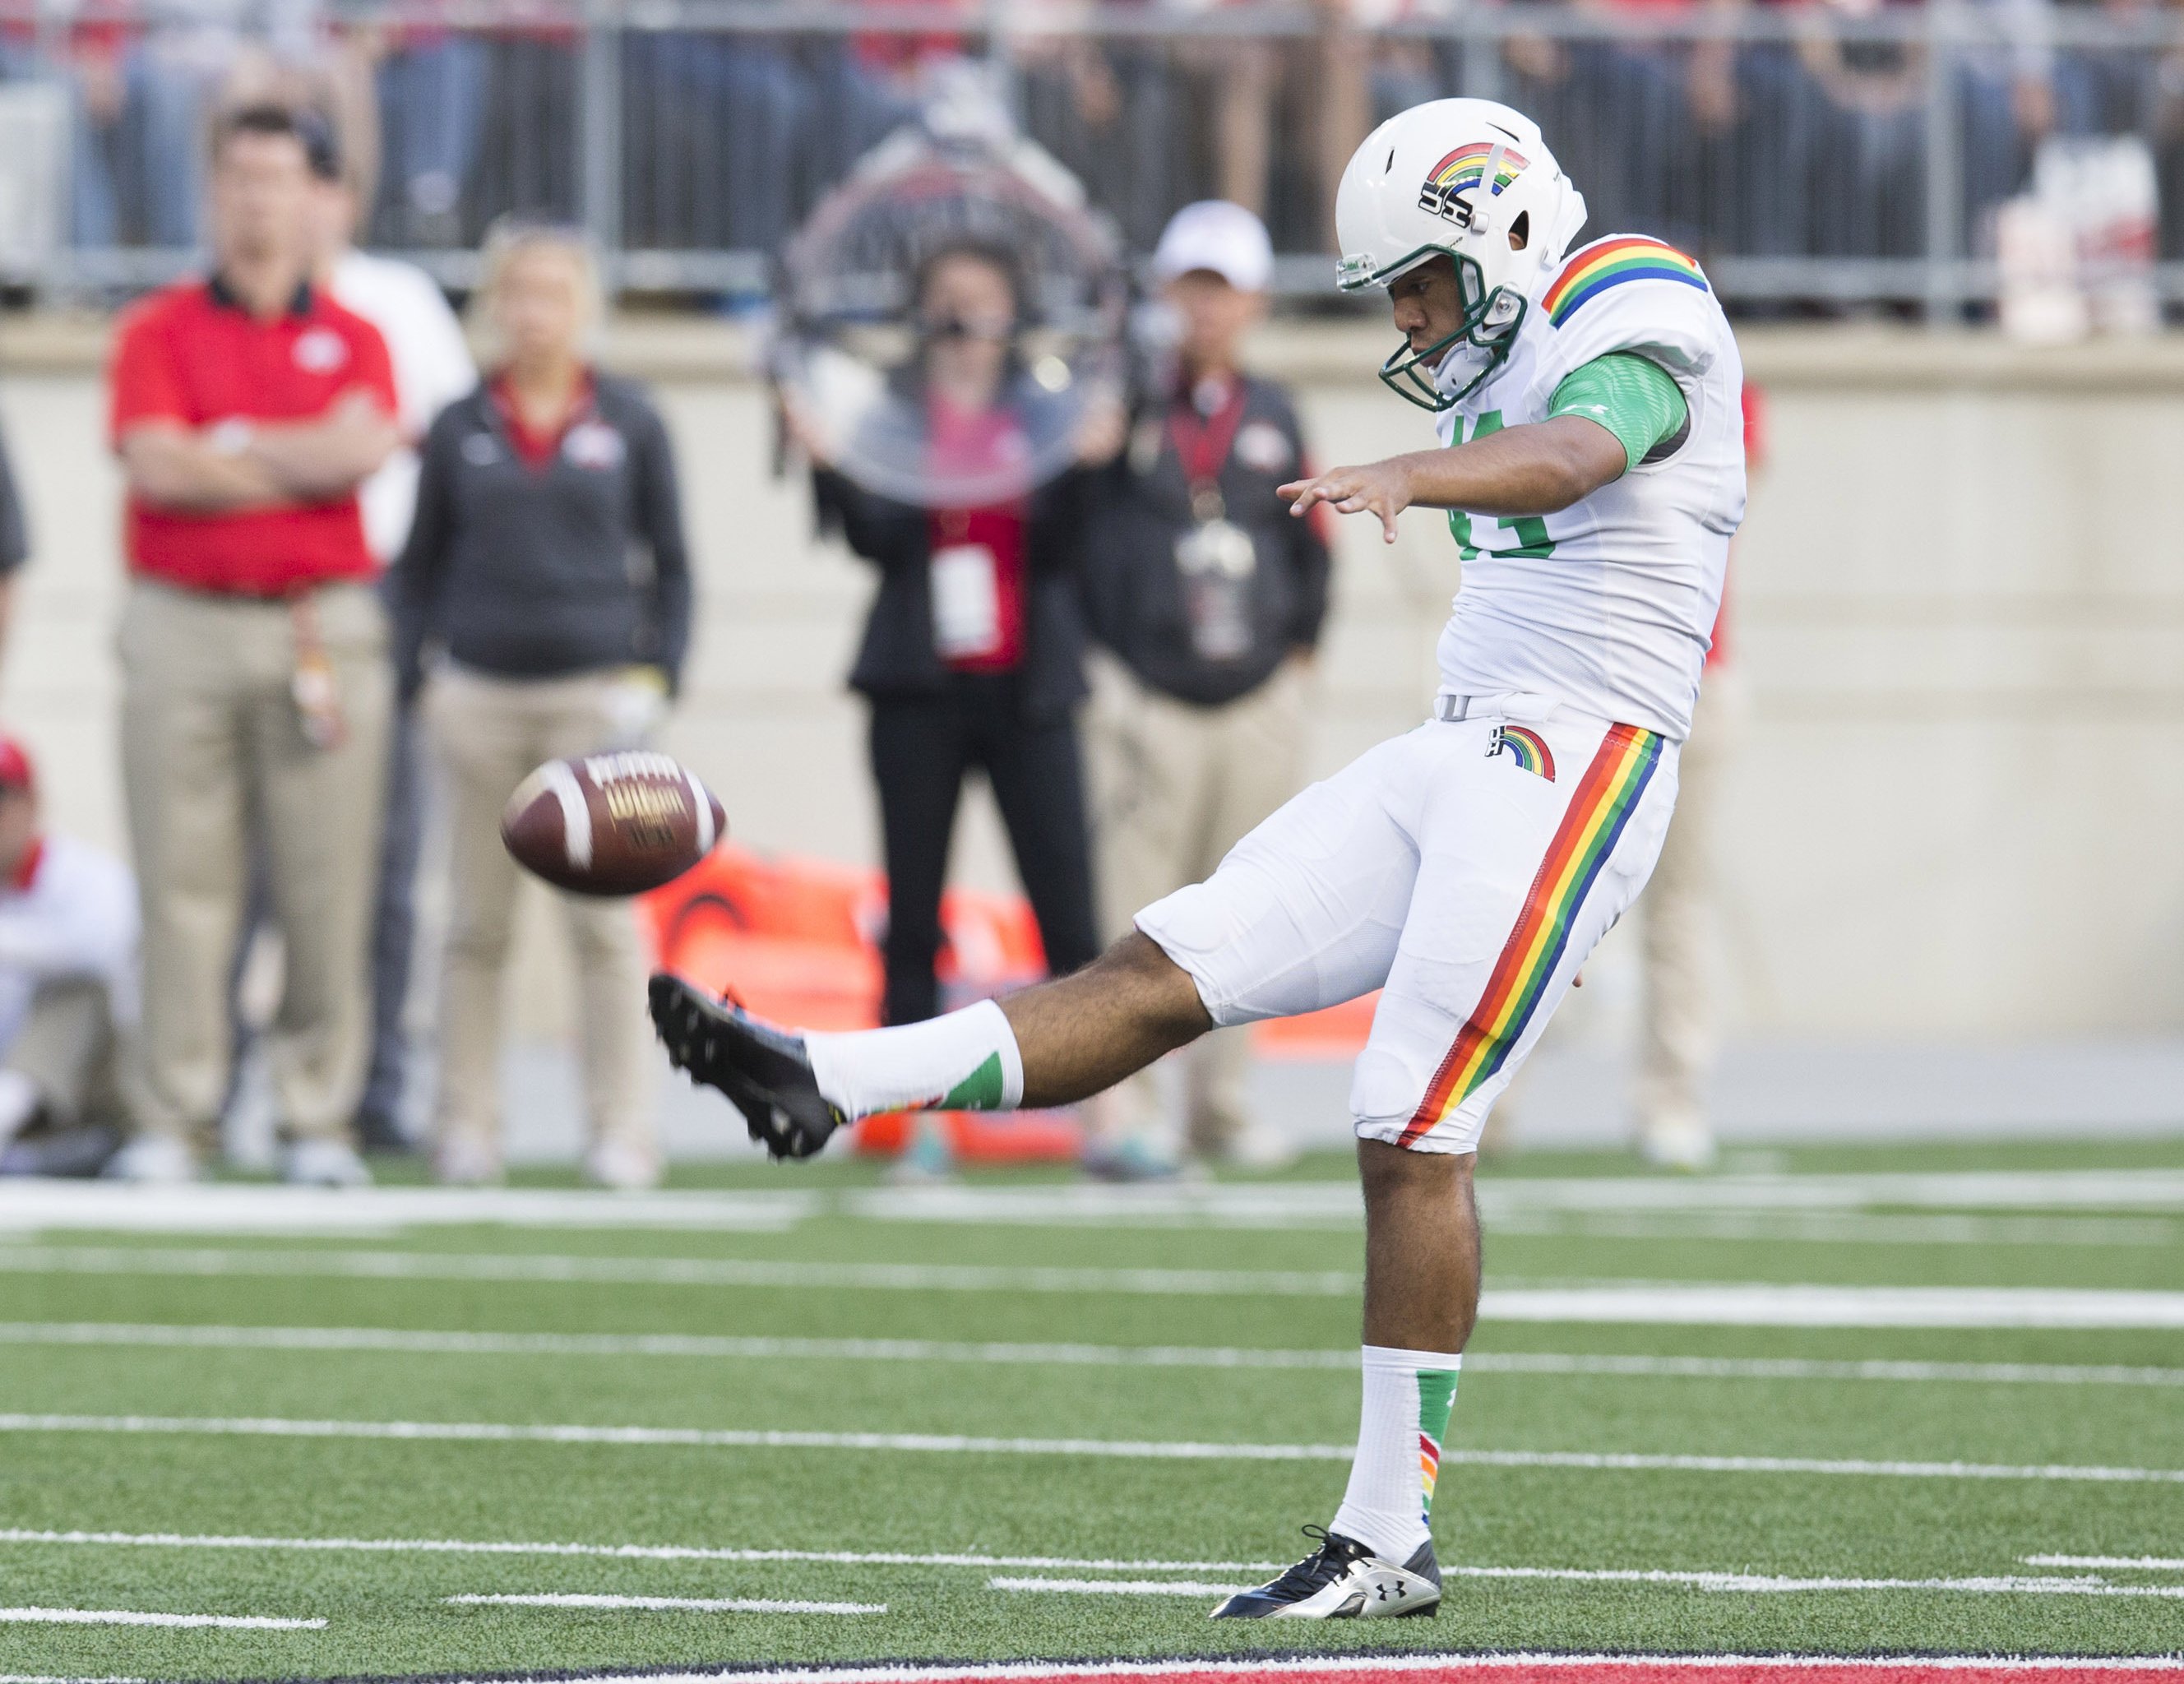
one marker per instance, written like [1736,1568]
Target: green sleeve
[1632,396]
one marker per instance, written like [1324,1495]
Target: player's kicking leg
[1468,880]
[1054,1045]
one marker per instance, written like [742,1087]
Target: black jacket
[567,567]
[1140,506]
[898,658]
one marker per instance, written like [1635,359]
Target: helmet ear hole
[1520,231]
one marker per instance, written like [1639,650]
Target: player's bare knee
[1394,1175]
[1160,991]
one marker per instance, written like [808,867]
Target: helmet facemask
[1479,341]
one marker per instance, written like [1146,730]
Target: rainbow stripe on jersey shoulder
[1628,257]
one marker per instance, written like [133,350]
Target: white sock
[1389,1505]
[966,1061]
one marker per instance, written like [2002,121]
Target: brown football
[616,824]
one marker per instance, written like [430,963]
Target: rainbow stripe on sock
[1611,263]
[1436,1397]
[1591,825]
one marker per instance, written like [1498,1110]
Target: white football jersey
[1607,605]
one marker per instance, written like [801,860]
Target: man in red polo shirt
[246,410]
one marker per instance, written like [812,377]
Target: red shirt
[962,440]
[537,449]
[191,353]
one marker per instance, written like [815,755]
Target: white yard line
[234,1208]
[1160,1450]
[31,1206]
[524,1266]
[670,1604]
[119,1616]
[2125,1563]
[625,1551]
[1755,1583]
[433,1342]
[1628,1302]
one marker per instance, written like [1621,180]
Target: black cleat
[761,1069]
[1344,1580]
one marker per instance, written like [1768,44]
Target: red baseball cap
[17,769]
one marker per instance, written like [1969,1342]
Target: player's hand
[1382,489]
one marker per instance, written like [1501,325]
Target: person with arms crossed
[247,409]
[1593,470]
[1210,599]
[542,609]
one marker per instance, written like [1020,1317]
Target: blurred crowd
[372,585]
[1807,138]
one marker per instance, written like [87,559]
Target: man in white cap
[1210,600]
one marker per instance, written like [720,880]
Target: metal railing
[1809,157]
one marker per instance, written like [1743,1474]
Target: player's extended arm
[318,460]
[1603,420]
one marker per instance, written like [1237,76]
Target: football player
[1592,464]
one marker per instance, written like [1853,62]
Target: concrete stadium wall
[1959,611]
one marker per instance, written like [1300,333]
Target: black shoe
[1343,1579]
[761,1069]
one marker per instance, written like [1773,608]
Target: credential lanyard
[1202,448]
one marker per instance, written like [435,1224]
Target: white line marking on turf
[674,1271]
[430,1342]
[1744,1582]
[121,1616]
[1158,1450]
[1726,1303]
[846,1558]
[2129,1563]
[672,1604]
[214,1208]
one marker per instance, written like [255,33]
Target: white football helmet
[1461,179]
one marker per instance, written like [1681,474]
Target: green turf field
[1060,1394]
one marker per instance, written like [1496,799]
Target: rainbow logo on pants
[1591,825]
[1527,747]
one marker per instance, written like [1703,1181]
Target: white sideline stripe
[1727,1303]
[1742,1582]
[672,1604]
[840,1557]
[122,1616]
[2128,1563]
[1158,1450]
[433,1343]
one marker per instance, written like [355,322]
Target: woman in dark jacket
[973,652]
[542,603]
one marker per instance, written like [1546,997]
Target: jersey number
[1531,531]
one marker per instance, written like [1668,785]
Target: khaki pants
[486,734]
[212,751]
[70,1047]
[1679,1034]
[1175,787]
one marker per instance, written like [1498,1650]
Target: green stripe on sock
[1436,1398]
[981,1090]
